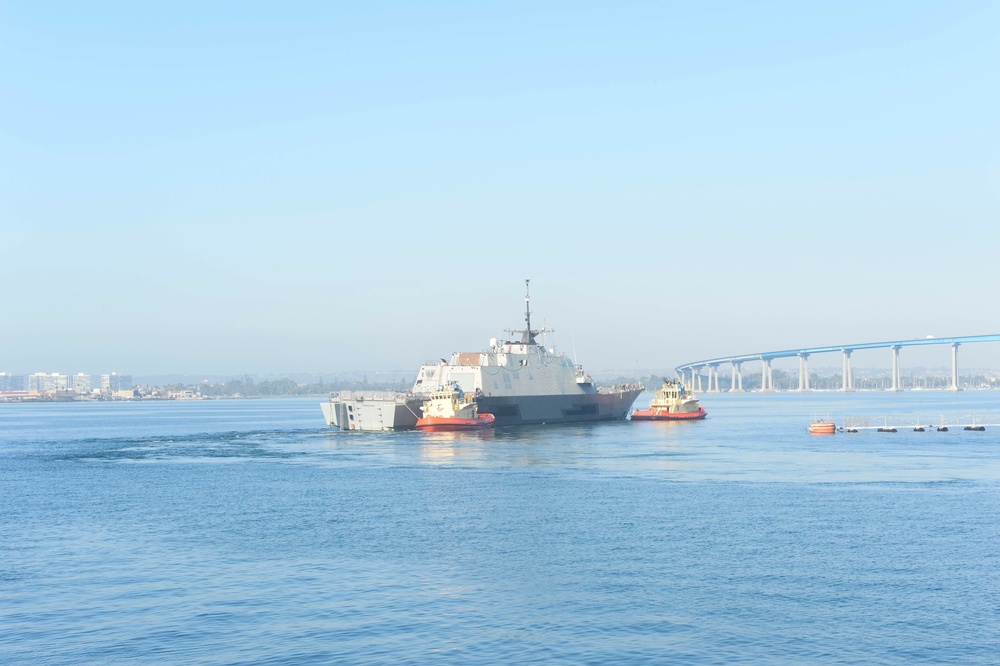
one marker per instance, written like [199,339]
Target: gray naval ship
[519,382]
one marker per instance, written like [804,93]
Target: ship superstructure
[518,381]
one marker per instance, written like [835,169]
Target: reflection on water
[449,447]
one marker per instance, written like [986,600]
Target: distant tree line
[247,388]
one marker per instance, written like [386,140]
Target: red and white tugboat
[672,403]
[823,427]
[451,409]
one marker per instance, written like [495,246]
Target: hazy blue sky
[270,187]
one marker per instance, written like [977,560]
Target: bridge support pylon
[736,385]
[714,377]
[847,379]
[766,376]
[954,367]
[803,372]
[897,384]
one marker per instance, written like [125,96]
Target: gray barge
[372,410]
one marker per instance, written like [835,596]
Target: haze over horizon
[253,188]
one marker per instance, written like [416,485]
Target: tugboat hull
[659,415]
[443,423]
[823,427]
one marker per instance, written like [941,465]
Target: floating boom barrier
[973,422]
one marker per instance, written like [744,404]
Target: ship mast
[527,334]
[528,338]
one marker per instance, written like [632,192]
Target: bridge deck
[789,353]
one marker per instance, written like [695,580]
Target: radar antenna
[528,335]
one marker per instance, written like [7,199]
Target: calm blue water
[247,532]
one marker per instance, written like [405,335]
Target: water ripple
[744,540]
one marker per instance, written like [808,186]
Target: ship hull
[550,409]
[399,411]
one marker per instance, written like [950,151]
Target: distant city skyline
[229,189]
[98,381]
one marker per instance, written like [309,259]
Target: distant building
[43,382]
[10,382]
[115,382]
[81,383]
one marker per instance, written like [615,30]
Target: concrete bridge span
[691,373]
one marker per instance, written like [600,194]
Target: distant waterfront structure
[81,383]
[41,381]
[115,382]
[9,382]
[691,373]
[37,381]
